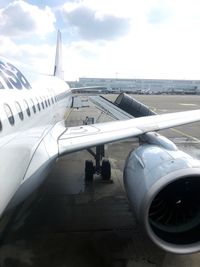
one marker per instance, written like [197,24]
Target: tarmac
[72,223]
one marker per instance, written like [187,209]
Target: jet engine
[163,186]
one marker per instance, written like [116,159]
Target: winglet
[58,71]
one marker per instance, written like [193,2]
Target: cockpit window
[9,114]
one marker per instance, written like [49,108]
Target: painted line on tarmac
[178,131]
[185,104]
[187,135]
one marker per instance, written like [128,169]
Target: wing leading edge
[85,136]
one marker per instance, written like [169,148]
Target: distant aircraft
[162,182]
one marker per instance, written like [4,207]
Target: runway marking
[178,131]
[185,104]
[187,135]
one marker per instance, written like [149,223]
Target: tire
[89,170]
[106,170]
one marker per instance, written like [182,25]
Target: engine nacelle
[163,186]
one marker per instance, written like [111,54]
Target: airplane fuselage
[32,108]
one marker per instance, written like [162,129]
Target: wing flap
[85,136]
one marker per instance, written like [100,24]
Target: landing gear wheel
[89,170]
[106,170]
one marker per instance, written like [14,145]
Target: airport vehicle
[162,182]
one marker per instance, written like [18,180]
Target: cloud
[39,58]
[4,3]
[90,25]
[51,3]
[159,15]
[20,18]
[174,12]
[146,38]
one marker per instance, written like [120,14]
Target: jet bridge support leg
[101,167]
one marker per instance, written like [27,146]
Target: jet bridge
[132,106]
[110,108]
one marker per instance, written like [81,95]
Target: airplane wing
[77,138]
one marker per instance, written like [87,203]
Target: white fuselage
[32,110]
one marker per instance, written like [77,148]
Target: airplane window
[42,103]
[49,102]
[27,108]
[19,110]
[45,102]
[0,126]
[9,114]
[33,106]
[38,104]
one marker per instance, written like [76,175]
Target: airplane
[162,183]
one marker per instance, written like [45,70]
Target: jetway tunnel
[132,106]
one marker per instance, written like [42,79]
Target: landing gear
[102,167]
[89,170]
[106,170]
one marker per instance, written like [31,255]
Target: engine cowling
[163,186]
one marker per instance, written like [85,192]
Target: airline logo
[12,78]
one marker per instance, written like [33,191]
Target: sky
[105,38]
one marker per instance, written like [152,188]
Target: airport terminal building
[143,85]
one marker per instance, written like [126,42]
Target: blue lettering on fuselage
[12,78]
